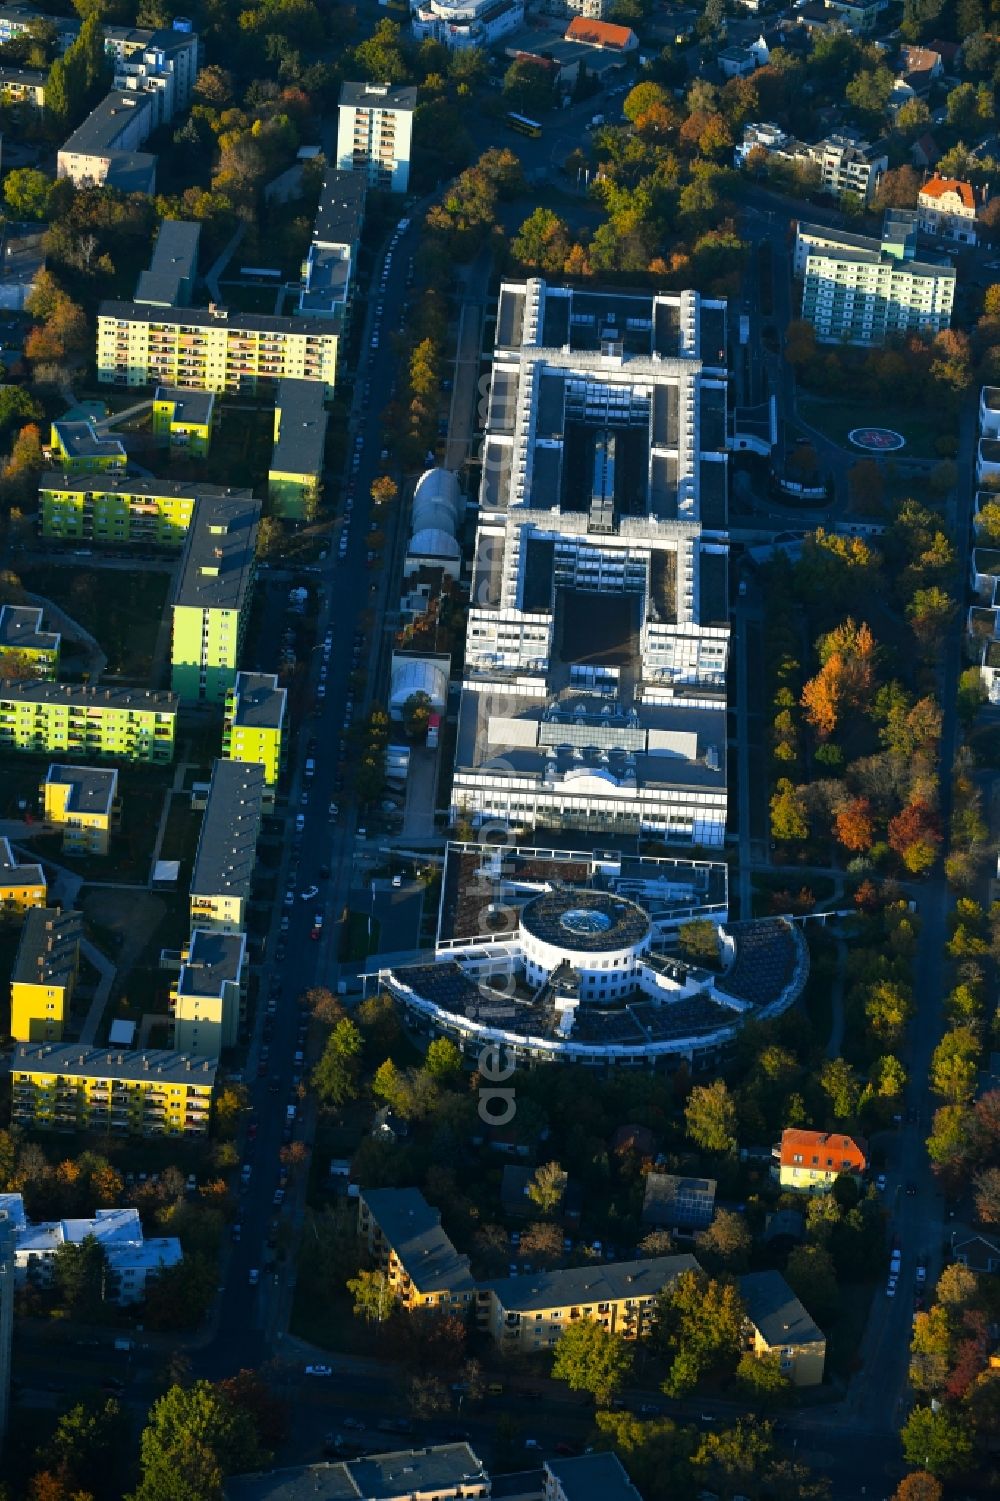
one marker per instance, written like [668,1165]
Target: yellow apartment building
[254,727]
[182,421]
[779,1323]
[212,349]
[22,884]
[129,724]
[209,995]
[22,637]
[403,1235]
[44,974]
[83,802]
[227,847]
[69,1087]
[529,1313]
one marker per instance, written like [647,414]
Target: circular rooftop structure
[587,922]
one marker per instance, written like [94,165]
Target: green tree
[789,821]
[374,1299]
[27,193]
[698,941]
[546,1187]
[590,1359]
[335,1077]
[762,1378]
[726,1243]
[940,1441]
[85,1446]
[811,1275]
[443,1061]
[954,1066]
[79,1273]
[193,1439]
[527,87]
[710,1117]
[543,242]
[654,1452]
[839,1083]
[700,1330]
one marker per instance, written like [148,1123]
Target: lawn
[358,940]
[241,447]
[920,427]
[122,613]
[180,837]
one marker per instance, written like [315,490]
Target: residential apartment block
[104,150]
[437,1472]
[161,63]
[22,883]
[16,21]
[132,1261]
[78,446]
[36,651]
[375,127]
[212,349]
[843,164]
[780,1325]
[115,509]
[465,23]
[70,1087]
[169,279]
[83,802]
[594,693]
[948,208]
[211,602]
[255,725]
[529,1313]
[209,995]
[130,724]
[227,847]
[588,1477]
[23,86]
[330,267]
[44,974]
[403,1234]
[295,478]
[182,421]
[812,1161]
[857,290]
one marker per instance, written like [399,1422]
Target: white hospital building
[594,693]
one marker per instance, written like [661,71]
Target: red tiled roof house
[812,1161]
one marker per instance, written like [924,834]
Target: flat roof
[596,1283]
[82,441]
[155,1065]
[227,843]
[341,210]
[593,1477]
[301,427]
[189,406]
[21,629]
[587,921]
[220,550]
[106,123]
[215,959]
[49,948]
[413,1229]
[259,702]
[144,488]
[93,788]
[16,872]
[378,96]
[36,77]
[232,319]
[83,696]
[394,1476]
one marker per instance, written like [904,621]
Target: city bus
[522,125]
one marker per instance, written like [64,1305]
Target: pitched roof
[598,33]
[937,187]
[823,1149]
[776,1312]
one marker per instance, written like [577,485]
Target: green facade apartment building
[128,724]
[114,509]
[212,599]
